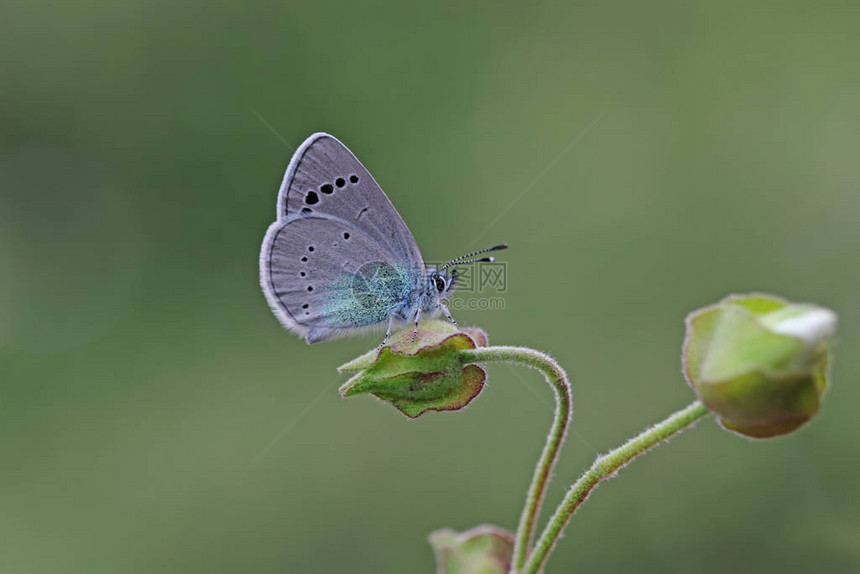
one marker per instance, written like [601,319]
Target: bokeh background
[642,159]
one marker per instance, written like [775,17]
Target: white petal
[814,325]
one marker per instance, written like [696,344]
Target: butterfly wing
[324,277]
[325,178]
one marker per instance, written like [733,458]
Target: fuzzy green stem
[557,379]
[605,467]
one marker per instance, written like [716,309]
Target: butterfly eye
[439,283]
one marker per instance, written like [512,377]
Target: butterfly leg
[387,331]
[448,314]
[417,318]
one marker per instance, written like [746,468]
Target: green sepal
[428,373]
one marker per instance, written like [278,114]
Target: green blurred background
[154,416]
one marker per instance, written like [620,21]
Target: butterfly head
[442,283]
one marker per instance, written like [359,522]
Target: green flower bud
[482,550]
[759,362]
[426,374]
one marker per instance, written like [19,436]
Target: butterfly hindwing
[324,277]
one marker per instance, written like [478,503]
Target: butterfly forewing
[325,178]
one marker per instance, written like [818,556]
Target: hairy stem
[557,379]
[605,467]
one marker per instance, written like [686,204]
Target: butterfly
[339,259]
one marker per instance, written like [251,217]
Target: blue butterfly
[339,258]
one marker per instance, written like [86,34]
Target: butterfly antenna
[479,260]
[460,260]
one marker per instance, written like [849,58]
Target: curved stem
[557,379]
[605,467]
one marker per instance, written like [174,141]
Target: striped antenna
[460,260]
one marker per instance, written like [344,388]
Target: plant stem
[557,379]
[605,467]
